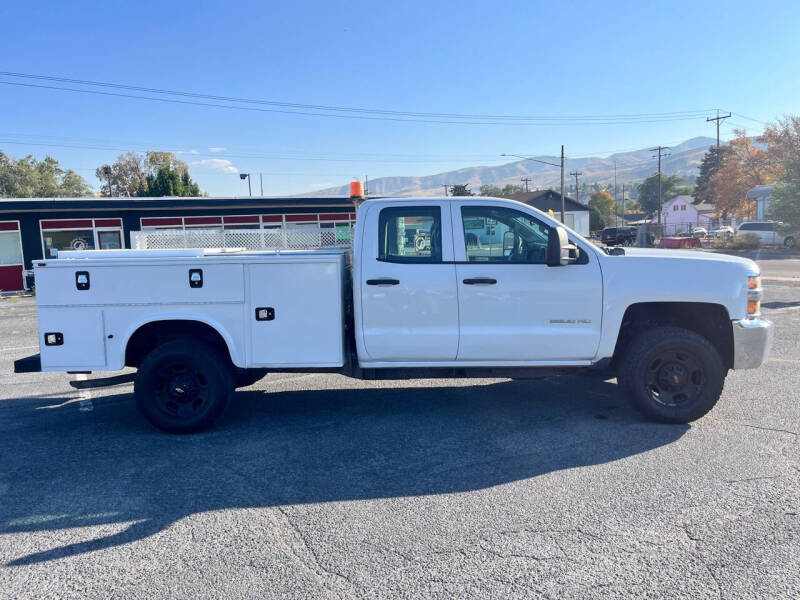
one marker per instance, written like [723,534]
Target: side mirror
[559,251]
[508,243]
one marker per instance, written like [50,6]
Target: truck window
[410,235]
[503,235]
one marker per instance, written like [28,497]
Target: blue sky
[495,58]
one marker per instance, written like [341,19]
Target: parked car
[695,232]
[768,232]
[618,236]
[722,232]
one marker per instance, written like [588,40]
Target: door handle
[480,281]
[383,281]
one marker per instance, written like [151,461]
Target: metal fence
[298,238]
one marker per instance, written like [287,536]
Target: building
[680,214]
[34,228]
[576,215]
[760,194]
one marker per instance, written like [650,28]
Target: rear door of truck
[409,302]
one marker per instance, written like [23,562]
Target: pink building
[679,214]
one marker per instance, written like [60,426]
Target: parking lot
[319,486]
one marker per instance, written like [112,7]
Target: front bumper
[752,340]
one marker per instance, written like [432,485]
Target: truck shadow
[64,469]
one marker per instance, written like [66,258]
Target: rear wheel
[183,385]
[672,374]
[789,242]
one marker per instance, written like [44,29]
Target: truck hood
[689,255]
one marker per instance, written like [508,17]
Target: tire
[672,375]
[183,385]
[247,377]
[789,242]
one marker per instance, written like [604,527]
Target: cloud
[216,149]
[218,164]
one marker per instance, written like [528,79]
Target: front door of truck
[409,304]
[513,307]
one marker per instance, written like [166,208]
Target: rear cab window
[410,234]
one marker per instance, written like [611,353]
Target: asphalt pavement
[320,486]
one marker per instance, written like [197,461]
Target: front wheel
[789,242]
[673,375]
[183,385]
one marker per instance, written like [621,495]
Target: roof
[760,191]
[546,200]
[167,203]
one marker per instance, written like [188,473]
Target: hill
[684,159]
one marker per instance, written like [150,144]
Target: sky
[591,64]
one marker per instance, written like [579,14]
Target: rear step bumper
[29,364]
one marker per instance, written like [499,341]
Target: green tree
[130,171]
[713,161]
[490,190]
[596,221]
[168,182]
[30,178]
[460,190]
[783,147]
[602,202]
[648,191]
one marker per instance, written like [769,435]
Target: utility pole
[445,186]
[366,186]
[623,205]
[616,222]
[526,180]
[261,181]
[562,184]
[660,151]
[577,190]
[718,119]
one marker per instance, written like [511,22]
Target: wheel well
[709,320]
[155,333]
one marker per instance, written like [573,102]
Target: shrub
[742,241]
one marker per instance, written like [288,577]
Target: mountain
[684,160]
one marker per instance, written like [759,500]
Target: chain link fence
[299,238]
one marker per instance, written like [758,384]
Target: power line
[350,113]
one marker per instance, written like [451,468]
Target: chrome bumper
[752,340]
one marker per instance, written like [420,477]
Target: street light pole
[247,176]
[544,162]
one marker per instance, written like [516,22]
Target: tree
[460,190]
[783,146]
[30,178]
[712,162]
[746,165]
[648,191]
[168,182]
[603,203]
[596,221]
[130,171]
[490,190]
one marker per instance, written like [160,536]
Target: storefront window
[67,240]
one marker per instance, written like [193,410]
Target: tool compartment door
[82,339]
[306,318]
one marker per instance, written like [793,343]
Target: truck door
[512,306]
[409,305]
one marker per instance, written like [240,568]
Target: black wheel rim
[675,378]
[182,391]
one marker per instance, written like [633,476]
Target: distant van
[767,233]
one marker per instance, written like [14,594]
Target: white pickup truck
[434,287]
